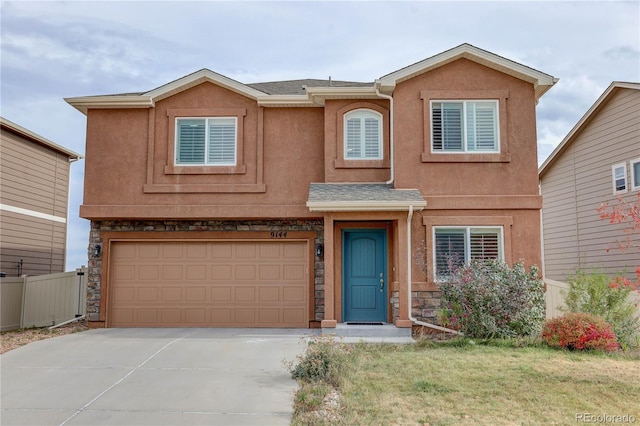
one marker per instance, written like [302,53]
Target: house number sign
[278,234]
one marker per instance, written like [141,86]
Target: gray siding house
[34,198]
[597,162]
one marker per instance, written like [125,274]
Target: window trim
[635,176]
[622,166]
[500,96]
[339,161]
[468,230]
[207,146]
[365,112]
[171,168]
[464,121]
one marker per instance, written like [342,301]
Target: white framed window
[363,135]
[635,174]
[619,172]
[456,245]
[210,141]
[464,126]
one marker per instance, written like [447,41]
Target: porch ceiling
[332,197]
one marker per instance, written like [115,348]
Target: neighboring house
[304,203]
[597,162]
[34,195]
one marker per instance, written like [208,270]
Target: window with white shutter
[206,141]
[464,126]
[619,178]
[363,135]
[635,174]
[455,245]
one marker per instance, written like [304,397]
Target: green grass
[500,383]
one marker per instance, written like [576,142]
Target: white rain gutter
[67,322]
[409,272]
[391,139]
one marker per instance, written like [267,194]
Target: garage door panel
[149,251]
[293,272]
[196,272]
[209,284]
[171,294]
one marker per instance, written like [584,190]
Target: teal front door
[364,275]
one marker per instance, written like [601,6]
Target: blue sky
[54,50]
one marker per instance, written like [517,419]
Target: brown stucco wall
[282,154]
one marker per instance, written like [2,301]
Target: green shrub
[579,331]
[489,299]
[595,293]
[323,361]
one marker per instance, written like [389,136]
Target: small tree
[626,213]
[596,294]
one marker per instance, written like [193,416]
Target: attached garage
[201,283]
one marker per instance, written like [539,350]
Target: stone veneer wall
[425,306]
[94,280]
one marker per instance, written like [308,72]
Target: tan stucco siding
[34,197]
[512,172]
[579,181]
[282,152]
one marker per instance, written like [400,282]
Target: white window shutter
[353,136]
[191,141]
[222,141]
[483,245]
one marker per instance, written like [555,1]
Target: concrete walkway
[152,377]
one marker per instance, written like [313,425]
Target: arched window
[362,135]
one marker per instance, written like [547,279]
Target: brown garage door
[208,284]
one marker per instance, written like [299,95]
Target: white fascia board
[83,104]
[200,77]
[364,206]
[585,118]
[540,80]
[286,101]
[15,128]
[339,92]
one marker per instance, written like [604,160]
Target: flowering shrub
[579,331]
[595,293]
[490,299]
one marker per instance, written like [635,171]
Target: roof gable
[586,119]
[313,92]
[541,81]
[28,134]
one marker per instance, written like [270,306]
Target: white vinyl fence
[42,300]
[556,292]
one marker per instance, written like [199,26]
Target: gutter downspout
[391,138]
[409,272]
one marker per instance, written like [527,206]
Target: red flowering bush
[580,331]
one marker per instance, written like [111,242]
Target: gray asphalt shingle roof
[350,192]
[296,87]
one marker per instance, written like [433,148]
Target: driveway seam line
[81,409]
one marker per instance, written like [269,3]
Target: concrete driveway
[152,377]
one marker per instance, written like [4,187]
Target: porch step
[387,333]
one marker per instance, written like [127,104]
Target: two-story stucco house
[34,198]
[215,203]
[597,162]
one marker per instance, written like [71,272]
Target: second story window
[362,135]
[464,126]
[206,141]
[619,178]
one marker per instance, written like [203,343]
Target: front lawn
[462,382]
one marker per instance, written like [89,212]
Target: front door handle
[381,284]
